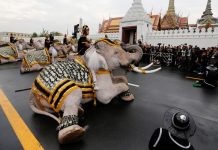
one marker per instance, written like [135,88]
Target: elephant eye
[116,52]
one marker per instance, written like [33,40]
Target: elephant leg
[69,129]
[127,96]
[119,79]
[108,94]
[2,61]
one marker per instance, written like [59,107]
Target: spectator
[210,78]
[180,126]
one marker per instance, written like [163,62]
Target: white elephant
[60,52]
[64,86]
[8,53]
[38,45]
[37,59]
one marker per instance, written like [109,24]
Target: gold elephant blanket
[57,81]
[40,57]
[7,51]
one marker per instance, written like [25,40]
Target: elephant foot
[70,134]
[127,96]
[69,130]
[24,70]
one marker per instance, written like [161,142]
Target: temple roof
[110,25]
[155,20]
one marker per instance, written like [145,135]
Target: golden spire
[171,8]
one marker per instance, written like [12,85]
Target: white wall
[112,36]
[177,37]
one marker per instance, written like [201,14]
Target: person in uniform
[210,78]
[84,43]
[65,40]
[31,41]
[47,42]
[12,39]
[51,38]
[179,127]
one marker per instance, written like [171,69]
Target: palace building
[169,21]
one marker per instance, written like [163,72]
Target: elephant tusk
[146,67]
[142,68]
[139,70]
[153,71]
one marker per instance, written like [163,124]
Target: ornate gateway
[58,80]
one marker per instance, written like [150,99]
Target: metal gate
[165,57]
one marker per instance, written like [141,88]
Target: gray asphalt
[118,125]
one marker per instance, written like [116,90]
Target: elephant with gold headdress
[62,87]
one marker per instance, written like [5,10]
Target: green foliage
[44,33]
[55,33]
[34,34]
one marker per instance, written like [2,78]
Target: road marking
[133,85]
[25,136]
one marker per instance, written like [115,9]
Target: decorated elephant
[38,45]
[35,60]
[38,59]
[8,53]
[60,52]
[62,87]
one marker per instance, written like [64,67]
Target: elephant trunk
[134,53]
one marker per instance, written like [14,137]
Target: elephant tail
[38,111]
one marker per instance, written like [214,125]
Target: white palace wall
[201,38]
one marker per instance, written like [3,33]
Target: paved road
[116,126]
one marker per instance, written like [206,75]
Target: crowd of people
[185,57]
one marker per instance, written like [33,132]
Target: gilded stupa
[173,21]
[207,19]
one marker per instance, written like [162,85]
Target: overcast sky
[57,15]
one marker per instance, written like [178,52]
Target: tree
[44,33]
[34,34]
[55,33]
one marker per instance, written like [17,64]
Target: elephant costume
[64,86]
[38,59]
[8,53]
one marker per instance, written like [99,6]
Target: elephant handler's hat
[179,123]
